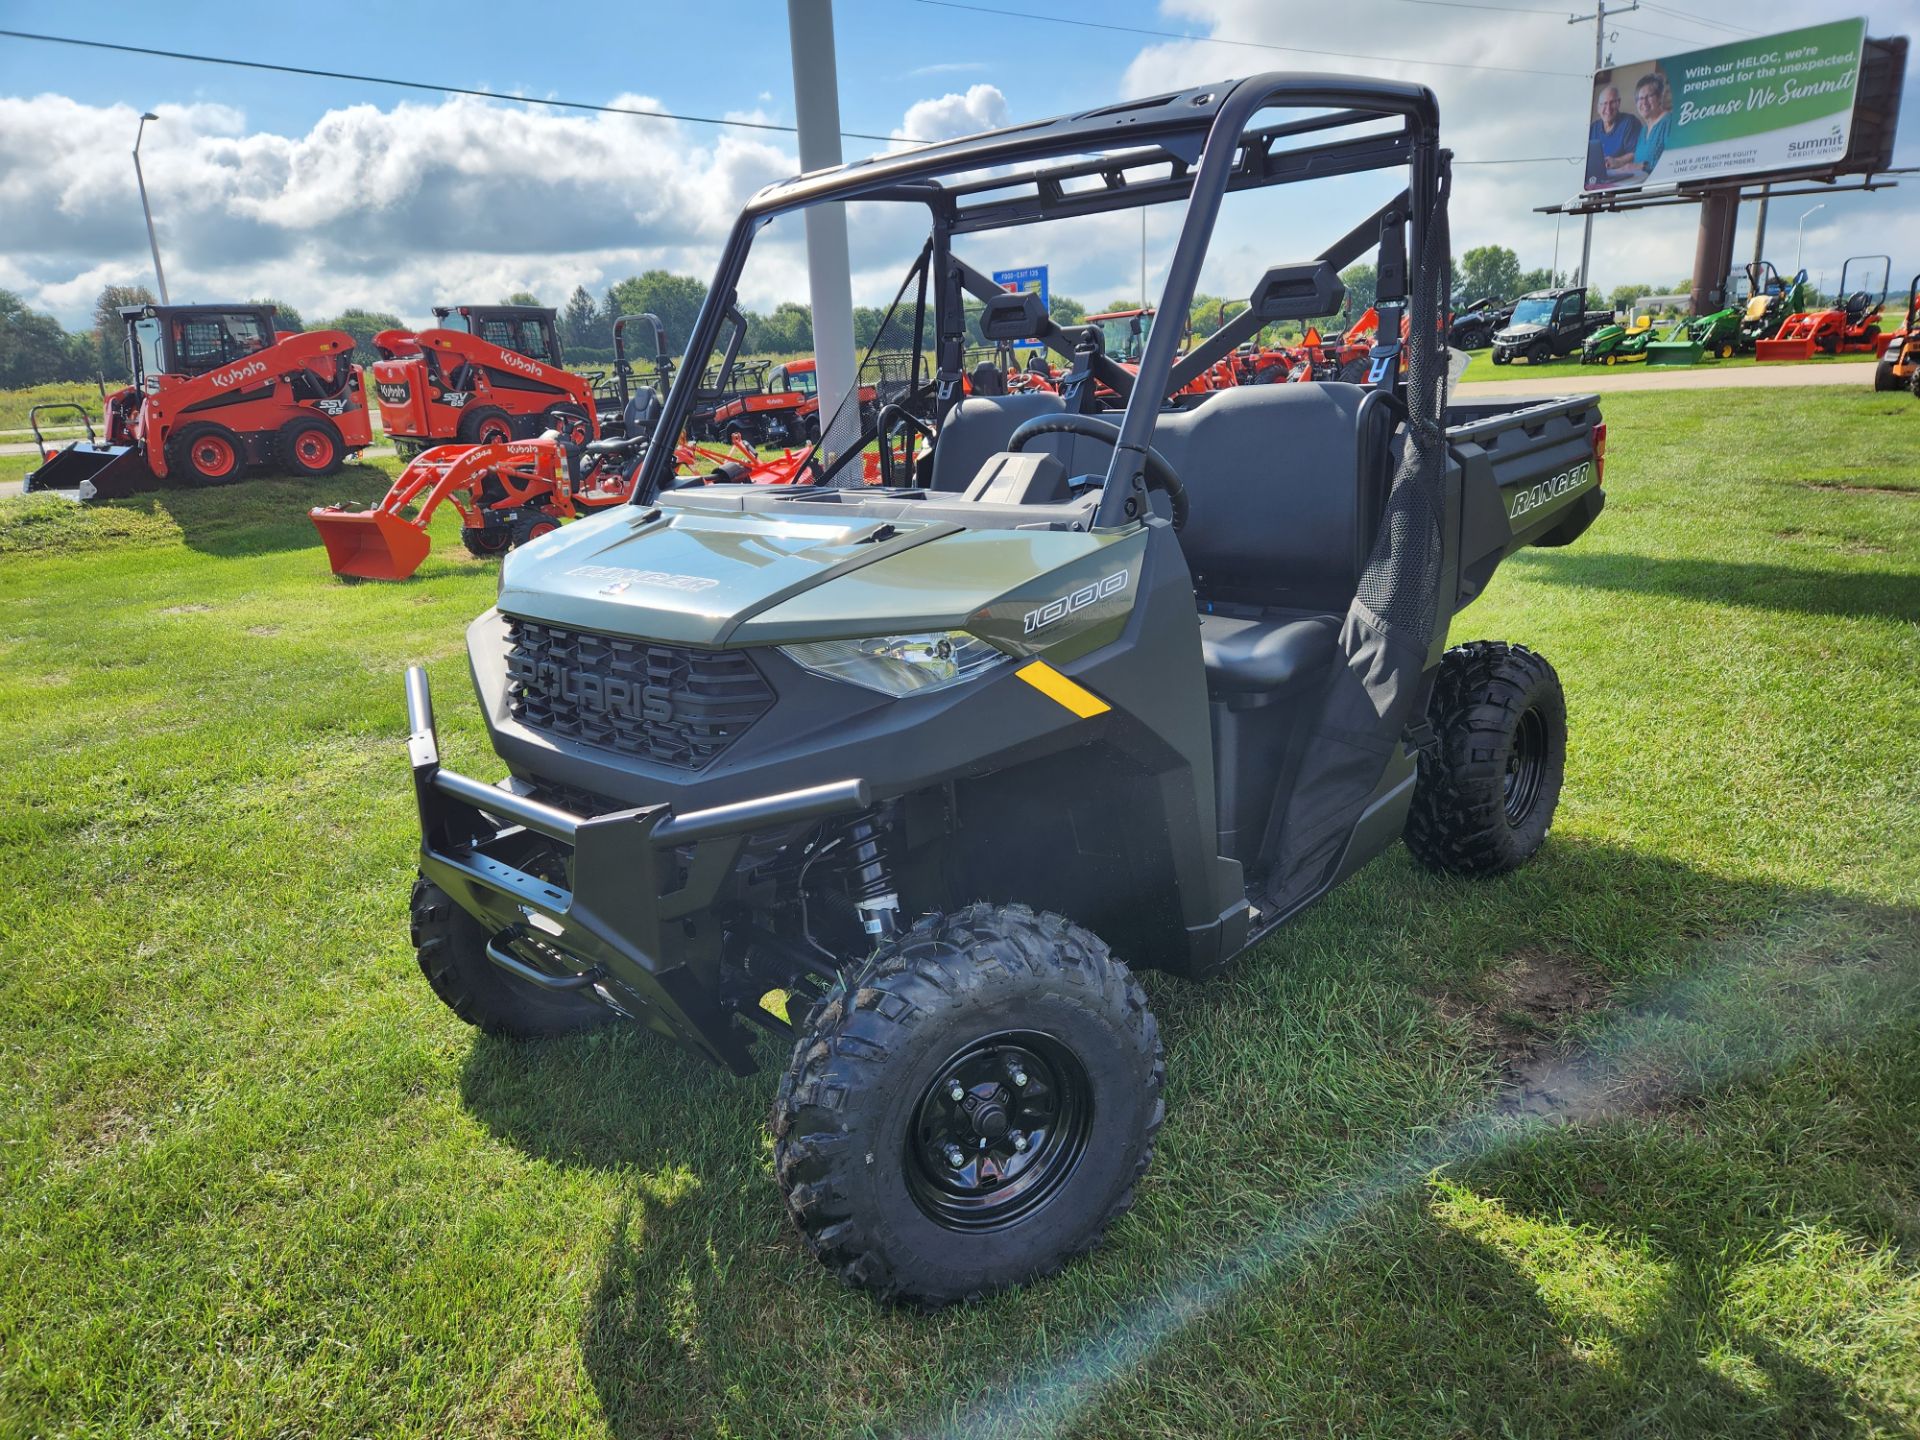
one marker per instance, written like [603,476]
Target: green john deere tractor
[1618,344]
[1691,341]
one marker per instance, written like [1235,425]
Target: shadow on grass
[1867,594]
[257,516]
[1331,1291]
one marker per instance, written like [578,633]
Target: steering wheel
[1160,475]
[893,415]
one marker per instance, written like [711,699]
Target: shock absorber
[869,880]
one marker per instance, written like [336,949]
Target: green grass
[15,404]
[1483,369]
[255,1181]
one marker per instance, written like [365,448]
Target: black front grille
[664,703]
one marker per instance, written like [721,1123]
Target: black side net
[1389,627]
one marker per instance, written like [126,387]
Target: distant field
[1625,1144]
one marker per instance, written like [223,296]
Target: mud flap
[87,471]
[370,544]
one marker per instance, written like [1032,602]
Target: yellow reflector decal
[1055,686]
[774,1002]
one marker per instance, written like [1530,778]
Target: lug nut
[956,1157]
[955,1092]
[1020,1077]
[1019,1139]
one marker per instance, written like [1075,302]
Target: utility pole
[816,113]
[1599,18]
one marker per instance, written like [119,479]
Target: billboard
[1779,102]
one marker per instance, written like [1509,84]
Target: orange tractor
[1850,328]
[486,375]
[215,390]
[784,411]
[1899,363]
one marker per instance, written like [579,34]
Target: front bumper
[633,922]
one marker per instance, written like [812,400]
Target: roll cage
[1192,145]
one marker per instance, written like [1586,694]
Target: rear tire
[1042,1030]
[310,447]
[207,455]
[486,426]
[1487,791]
[1539,353]
[486,542]
[1884,378]
[451,947]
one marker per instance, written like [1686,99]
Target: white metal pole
[816,112]
[1800,234]
[152,244]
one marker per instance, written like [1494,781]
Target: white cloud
[951,67]
[983,107]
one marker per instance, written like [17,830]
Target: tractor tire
[1612,359]
[1913,383]
[1539,353]
[1884,378]
[451,947]
[736,434]
[1041,1031]
[531,525]
[489,425]
[488,542]
[810,430]
[1488,787]
[1355,371]
[207,455]
[310,447]
[1725,352]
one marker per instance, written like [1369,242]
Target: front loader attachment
[1782,349]
[1675,352]
[88,471]
[371,544]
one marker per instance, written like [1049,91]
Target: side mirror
[1298,292]
[1010,316]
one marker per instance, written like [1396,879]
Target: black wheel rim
[1017,1132]
[1526,764]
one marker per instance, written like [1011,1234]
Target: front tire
[207,455]
[1487,792]
[311,448]
[1883,376]
[451,947]
[899,1188]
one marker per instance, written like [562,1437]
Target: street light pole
[145,209]
[1799,234]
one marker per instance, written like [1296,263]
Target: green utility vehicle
[902,772]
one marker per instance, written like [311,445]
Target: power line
[437,89]
[1696,19]
[1249,44]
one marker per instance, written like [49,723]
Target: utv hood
[689,577]
[1518,334]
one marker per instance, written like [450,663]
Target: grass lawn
[1483,369]
[1627,1143]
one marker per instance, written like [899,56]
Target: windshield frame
[1533,310]
[1191,145]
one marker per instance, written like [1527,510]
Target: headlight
[900,664]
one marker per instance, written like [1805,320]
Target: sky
[328,193]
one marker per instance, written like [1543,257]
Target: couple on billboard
[1623,149]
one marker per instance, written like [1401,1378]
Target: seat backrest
[1276,516]
[978,427]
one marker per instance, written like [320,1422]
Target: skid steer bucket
[371,544]
[88,471]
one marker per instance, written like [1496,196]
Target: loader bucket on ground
[1675,352]
[370,544]
[92,472]
[1783,350]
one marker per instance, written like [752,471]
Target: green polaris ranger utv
[915,775]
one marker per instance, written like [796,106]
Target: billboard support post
[1713,251]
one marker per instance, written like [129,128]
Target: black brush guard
[636,930]
[86,468]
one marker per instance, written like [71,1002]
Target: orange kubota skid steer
[487,374]
[216,389]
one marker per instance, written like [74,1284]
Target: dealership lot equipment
[216,390]
[1898,367]
[1693,340]
[1768,304]
[899,772]
[1851,327]
[1474,326]
[486,375]
[1547,324]
[1615,344]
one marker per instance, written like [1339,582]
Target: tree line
[35,349]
